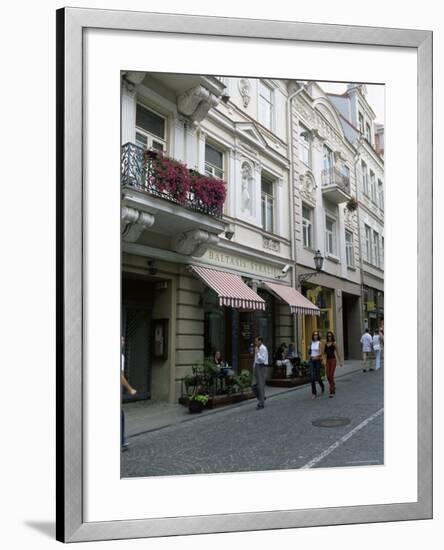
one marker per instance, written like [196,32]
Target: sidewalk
[146,416]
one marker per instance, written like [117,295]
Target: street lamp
[318,261]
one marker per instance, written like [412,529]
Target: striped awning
[298,303]
[230,288]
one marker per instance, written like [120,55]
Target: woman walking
[331,352]
[315,354]
[376,344]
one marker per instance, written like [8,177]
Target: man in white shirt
[260,364]
[366,342]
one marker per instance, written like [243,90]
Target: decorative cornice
[194,242]
[245,91]
[134,222]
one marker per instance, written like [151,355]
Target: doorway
[136,328]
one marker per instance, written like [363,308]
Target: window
[368,243]
[265,105]
[304,145]
[376,248]
[368,133]
[327,163]
[214,162]
[330,240]
[307,226]
[381,265]
[150,129]
[345,172]
[349,252]
[267,204]
[373,186]
[361,123]
[381,194]
[328,158]
[364,178]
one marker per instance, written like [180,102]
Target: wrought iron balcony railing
[152,172]
[334,177]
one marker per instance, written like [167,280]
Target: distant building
[358,121]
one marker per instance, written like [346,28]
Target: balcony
[163,195]
[335,186]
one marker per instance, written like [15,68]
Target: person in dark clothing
[315,354]
[331,353]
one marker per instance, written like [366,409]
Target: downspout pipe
[290,99]
[356,160]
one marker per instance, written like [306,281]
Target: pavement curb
[233,406]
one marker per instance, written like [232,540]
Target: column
[191,146]
[178,139]
[319,213]
[202,137]
[128,112]
[257,210]
[341,241]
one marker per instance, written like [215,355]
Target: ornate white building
[358,120]
[325,186]
[175,246]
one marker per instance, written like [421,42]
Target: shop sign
[249,266]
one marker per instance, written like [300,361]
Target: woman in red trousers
[331,352]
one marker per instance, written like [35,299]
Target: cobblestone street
[281,436]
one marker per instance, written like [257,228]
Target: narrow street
[292,431]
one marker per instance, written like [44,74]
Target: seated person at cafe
[282,359]
[294,359]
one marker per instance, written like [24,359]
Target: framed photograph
[160,339]
[244,268]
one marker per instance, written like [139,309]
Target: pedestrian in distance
[315,353]
[376,344]
[259,369]
[125,384]
[366,342]
[331,359]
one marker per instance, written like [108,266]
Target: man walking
[366,342]
[260,363]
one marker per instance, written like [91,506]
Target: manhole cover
[333,422]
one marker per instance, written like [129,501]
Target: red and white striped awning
[297,302]
[230,288]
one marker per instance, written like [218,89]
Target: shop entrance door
[137,322]
[137,299]
[246,340]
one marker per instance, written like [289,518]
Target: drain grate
[332,422]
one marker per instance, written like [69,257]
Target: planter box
[195,407]
[221,400]
[288,382]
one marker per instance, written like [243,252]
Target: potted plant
[352,204]
[197,402]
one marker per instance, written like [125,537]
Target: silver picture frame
[71,24]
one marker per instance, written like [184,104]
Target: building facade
[358,121]
[325,185]
[228,187]
[229,130]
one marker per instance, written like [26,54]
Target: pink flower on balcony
[168,176]
[174,181]
[211,192]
